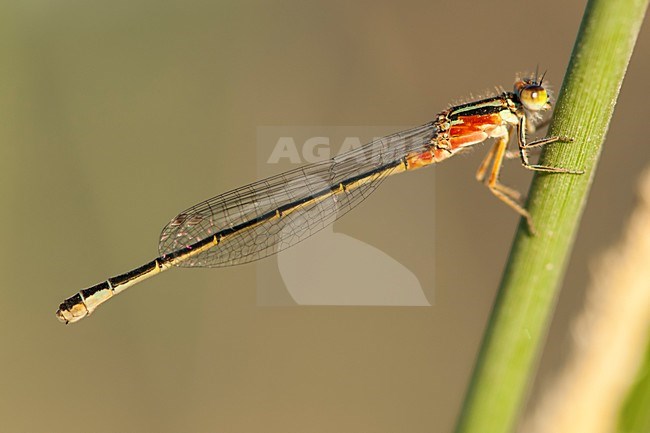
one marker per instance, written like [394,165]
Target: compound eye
[534,98]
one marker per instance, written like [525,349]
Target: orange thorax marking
[473,129]
[470,130]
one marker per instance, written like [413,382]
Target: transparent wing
[282,210]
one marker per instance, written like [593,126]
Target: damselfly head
[532,94]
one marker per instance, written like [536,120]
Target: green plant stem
[519,321]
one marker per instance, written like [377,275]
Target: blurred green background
[115,116]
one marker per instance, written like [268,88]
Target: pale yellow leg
[507,195]
[482,169]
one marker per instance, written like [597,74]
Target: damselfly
[270,215]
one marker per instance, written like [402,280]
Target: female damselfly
[265,217]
